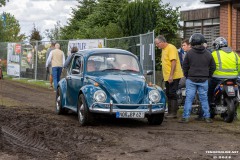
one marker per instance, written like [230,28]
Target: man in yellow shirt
[172,73]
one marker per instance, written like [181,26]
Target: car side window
[77,65]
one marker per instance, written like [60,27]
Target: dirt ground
[30,129]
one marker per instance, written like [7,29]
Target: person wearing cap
[198,67]
[49,66]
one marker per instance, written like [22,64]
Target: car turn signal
[96,84]
[150,84]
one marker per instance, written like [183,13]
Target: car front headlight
[100,96]
[154,96]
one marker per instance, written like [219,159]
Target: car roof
[88,52]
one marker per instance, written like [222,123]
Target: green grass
[39,83]
[32,82]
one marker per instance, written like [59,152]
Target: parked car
[108,81]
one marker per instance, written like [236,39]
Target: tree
[55,33]
[83,10]
[105,12]
[168,22]
[94,20]
[138,17]
[109,18]
[35,35]
[142,16]
[3,2]
[10,29]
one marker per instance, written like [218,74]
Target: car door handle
[69,78]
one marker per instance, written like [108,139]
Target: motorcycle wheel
[212,114]
[229,115]
[197,110]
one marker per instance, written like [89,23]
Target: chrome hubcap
[57,103]
[80,112]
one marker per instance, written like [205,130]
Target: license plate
[230,89]
[130,115]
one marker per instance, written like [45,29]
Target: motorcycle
[225,100]
[196,105]
[181,96]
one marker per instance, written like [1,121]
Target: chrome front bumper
[150,110]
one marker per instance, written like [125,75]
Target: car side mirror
[149,72]
[75,71]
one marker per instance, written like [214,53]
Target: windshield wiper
[130,70]
[111,69]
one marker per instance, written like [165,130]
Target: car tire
[84,116]
[59,108]
[155,119]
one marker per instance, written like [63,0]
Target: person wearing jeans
[56,73]
[191,88]
[49,66]
[57,59]
[198,67]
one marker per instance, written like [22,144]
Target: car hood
[124,89]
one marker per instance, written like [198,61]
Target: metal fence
[142,46]
[33,59]
[33,55]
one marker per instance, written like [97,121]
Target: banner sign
[18,48]
[85,44]
[13,59]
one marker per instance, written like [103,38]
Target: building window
[189,24]
[197,23]
[216,21]
[207,22]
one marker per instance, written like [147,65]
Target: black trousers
[171,89]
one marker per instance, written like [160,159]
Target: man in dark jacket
[198,67]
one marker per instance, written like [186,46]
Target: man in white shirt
[57,59]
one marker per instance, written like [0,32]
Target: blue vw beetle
[108,81]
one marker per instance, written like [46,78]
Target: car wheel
[155,119]
[59,108]
[84,116]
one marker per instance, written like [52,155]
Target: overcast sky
[45,13]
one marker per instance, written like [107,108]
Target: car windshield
[112,62]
